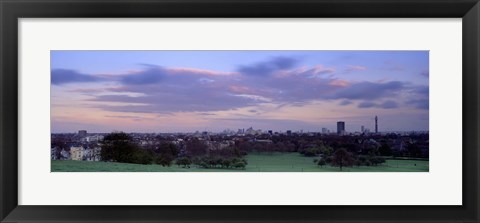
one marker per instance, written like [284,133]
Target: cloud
[351,69]
[392,66]
[266,68]
[153,75]
[346,102]
[419,103]
[206,114]
[421,90]
[165,101]
[129,117]
[183,70]
[385,105]
[87,90]
[204,80]
[369,90]
[367,105]
[163,90]
[339,83]
[389,104]
[315,71]
[64,76]
[185,93]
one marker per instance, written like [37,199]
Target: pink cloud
[87,90]
[355,68]
[339,83]
[199,71]
[237,89]
[307,71]
[320,69]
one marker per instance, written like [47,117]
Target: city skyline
[188,91]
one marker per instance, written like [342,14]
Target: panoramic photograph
[239,111]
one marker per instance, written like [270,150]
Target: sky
[188,91]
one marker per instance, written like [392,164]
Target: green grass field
[278,162]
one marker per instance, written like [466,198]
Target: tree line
[119,147]
[342,158]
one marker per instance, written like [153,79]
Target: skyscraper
[376,124]
[340,127]
[82,133]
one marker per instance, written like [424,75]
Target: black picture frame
[12,10]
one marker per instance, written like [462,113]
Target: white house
[76,153]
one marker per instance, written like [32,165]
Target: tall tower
[376,124]
[340,128]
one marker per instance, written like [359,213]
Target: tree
[326,150]
[184,161]
[239,164]
[358,163]
[328,159]
[168,149]
[312,151]
[226,163]
[164,160]
[368,163]
[376,160]
[196,147]
[322,162]
[142,157]
[342,158]
[166,153]
[413,150]
[117,147]
[385,150]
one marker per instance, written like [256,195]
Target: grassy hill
[278,162]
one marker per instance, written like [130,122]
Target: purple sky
[186,91]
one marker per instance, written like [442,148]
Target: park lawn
[275,162]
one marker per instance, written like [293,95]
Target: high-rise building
[362,129]
[340,128]
[376,124]
[82,133]
[324,130]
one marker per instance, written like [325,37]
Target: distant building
[64,155]
[362,129]
[270,132]
[92,154]
[289,132]
[324,130]
[250,131]
[376,124]
[340,128]
[76,153]
[94,138]
[54,154]
[82,133]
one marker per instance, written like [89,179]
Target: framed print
[239,111]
